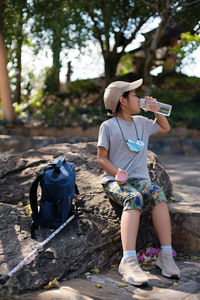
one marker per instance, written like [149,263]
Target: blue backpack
[58,186]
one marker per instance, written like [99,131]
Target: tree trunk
[111,61]
[150,55]
[17,96]
[6,104]
[1,15]
[56,49]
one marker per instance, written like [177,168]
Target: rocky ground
[107,284]
[90,241]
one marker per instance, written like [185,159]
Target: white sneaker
[166,263]
[131,271]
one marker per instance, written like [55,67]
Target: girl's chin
[136,111]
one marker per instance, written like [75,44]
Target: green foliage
[57,25]
[49,113]
[183,93]
[61,28]
[182,85]
[66,24]
[27,108]
[78,87]
[114,24]
[188,44]
[16,14]
[126,64]
[49,83]
[84,117]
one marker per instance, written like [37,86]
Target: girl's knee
[135,202]
[156,195]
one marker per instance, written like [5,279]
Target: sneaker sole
[143,284]
[173,276]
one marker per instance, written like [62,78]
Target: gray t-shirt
[110,137]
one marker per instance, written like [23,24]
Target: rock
[22,137]
[90,241]
[15,143]
[179,141]
[185,213]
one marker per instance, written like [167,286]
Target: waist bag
[57,181]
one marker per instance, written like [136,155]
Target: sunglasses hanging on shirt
[133,146]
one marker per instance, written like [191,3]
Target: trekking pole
[5,278]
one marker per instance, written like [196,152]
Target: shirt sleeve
[103,138]
[152,126]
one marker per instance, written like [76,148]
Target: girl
[122,153]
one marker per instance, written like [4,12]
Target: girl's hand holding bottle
[151,104]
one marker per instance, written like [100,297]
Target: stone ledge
[185,219]
[113,286]
[187,199]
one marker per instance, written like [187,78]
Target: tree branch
[191,3]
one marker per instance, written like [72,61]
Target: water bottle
[157,107]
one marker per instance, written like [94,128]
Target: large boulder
[90,241]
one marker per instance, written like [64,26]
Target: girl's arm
[163,123]
[160,119]
[102,157]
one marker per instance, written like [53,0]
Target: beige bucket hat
[116,89]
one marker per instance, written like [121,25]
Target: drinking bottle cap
[121,176]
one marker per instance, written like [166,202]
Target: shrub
[79,87]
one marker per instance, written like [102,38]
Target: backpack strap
[76,189]
[34,205]
[59,162]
